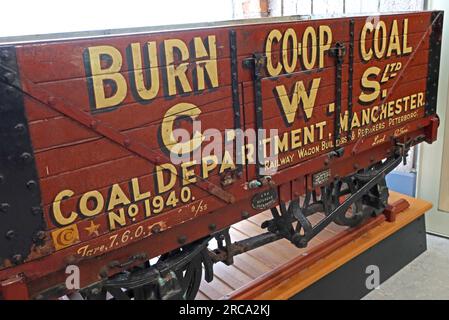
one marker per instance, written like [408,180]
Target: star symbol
[93,229]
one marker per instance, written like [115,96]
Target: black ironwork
[338,52]
[236,98]
[257,63]
[351,76]
[21,216]
[176,275]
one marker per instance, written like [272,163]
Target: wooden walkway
[249,266]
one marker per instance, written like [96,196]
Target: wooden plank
[250,265]
[231,275]
[216,291]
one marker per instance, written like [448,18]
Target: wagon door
[298,91]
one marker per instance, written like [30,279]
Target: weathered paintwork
[100,112]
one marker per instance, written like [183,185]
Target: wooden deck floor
[253,264]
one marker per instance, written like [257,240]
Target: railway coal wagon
[126,153]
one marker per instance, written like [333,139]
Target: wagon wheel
[181,284]
[190,278]
[356,214]
[372,203]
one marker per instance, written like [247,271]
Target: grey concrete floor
[427,277]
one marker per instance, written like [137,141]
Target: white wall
[25,17]
[431,155]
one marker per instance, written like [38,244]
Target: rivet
[31,184]
[104,273]
[36,211]
[40,235]
[356,166]
[95,291]
[212,227]
[156,229]
[94,124]
[17,258]
[127,142]
[10,91]
[182,239]
[10,234]
[9,77]
[70,260]
[326,162]
[4,207]
[20,128]
[5,55]
[51,101]
[26,157]
[245,214]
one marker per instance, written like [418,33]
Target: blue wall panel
[402,182]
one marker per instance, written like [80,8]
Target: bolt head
[31,184]
[16,259]
[93,124]
[104,273]
[9,77]
[4,207]
[245,214]
[5,55]
[20,128]
[40,235]
[26,157]
[182,239]
[156,229]
[36,211]
[10,234]
[10,91]
[95,291]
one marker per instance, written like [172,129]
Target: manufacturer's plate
[321,178]
[264,200]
